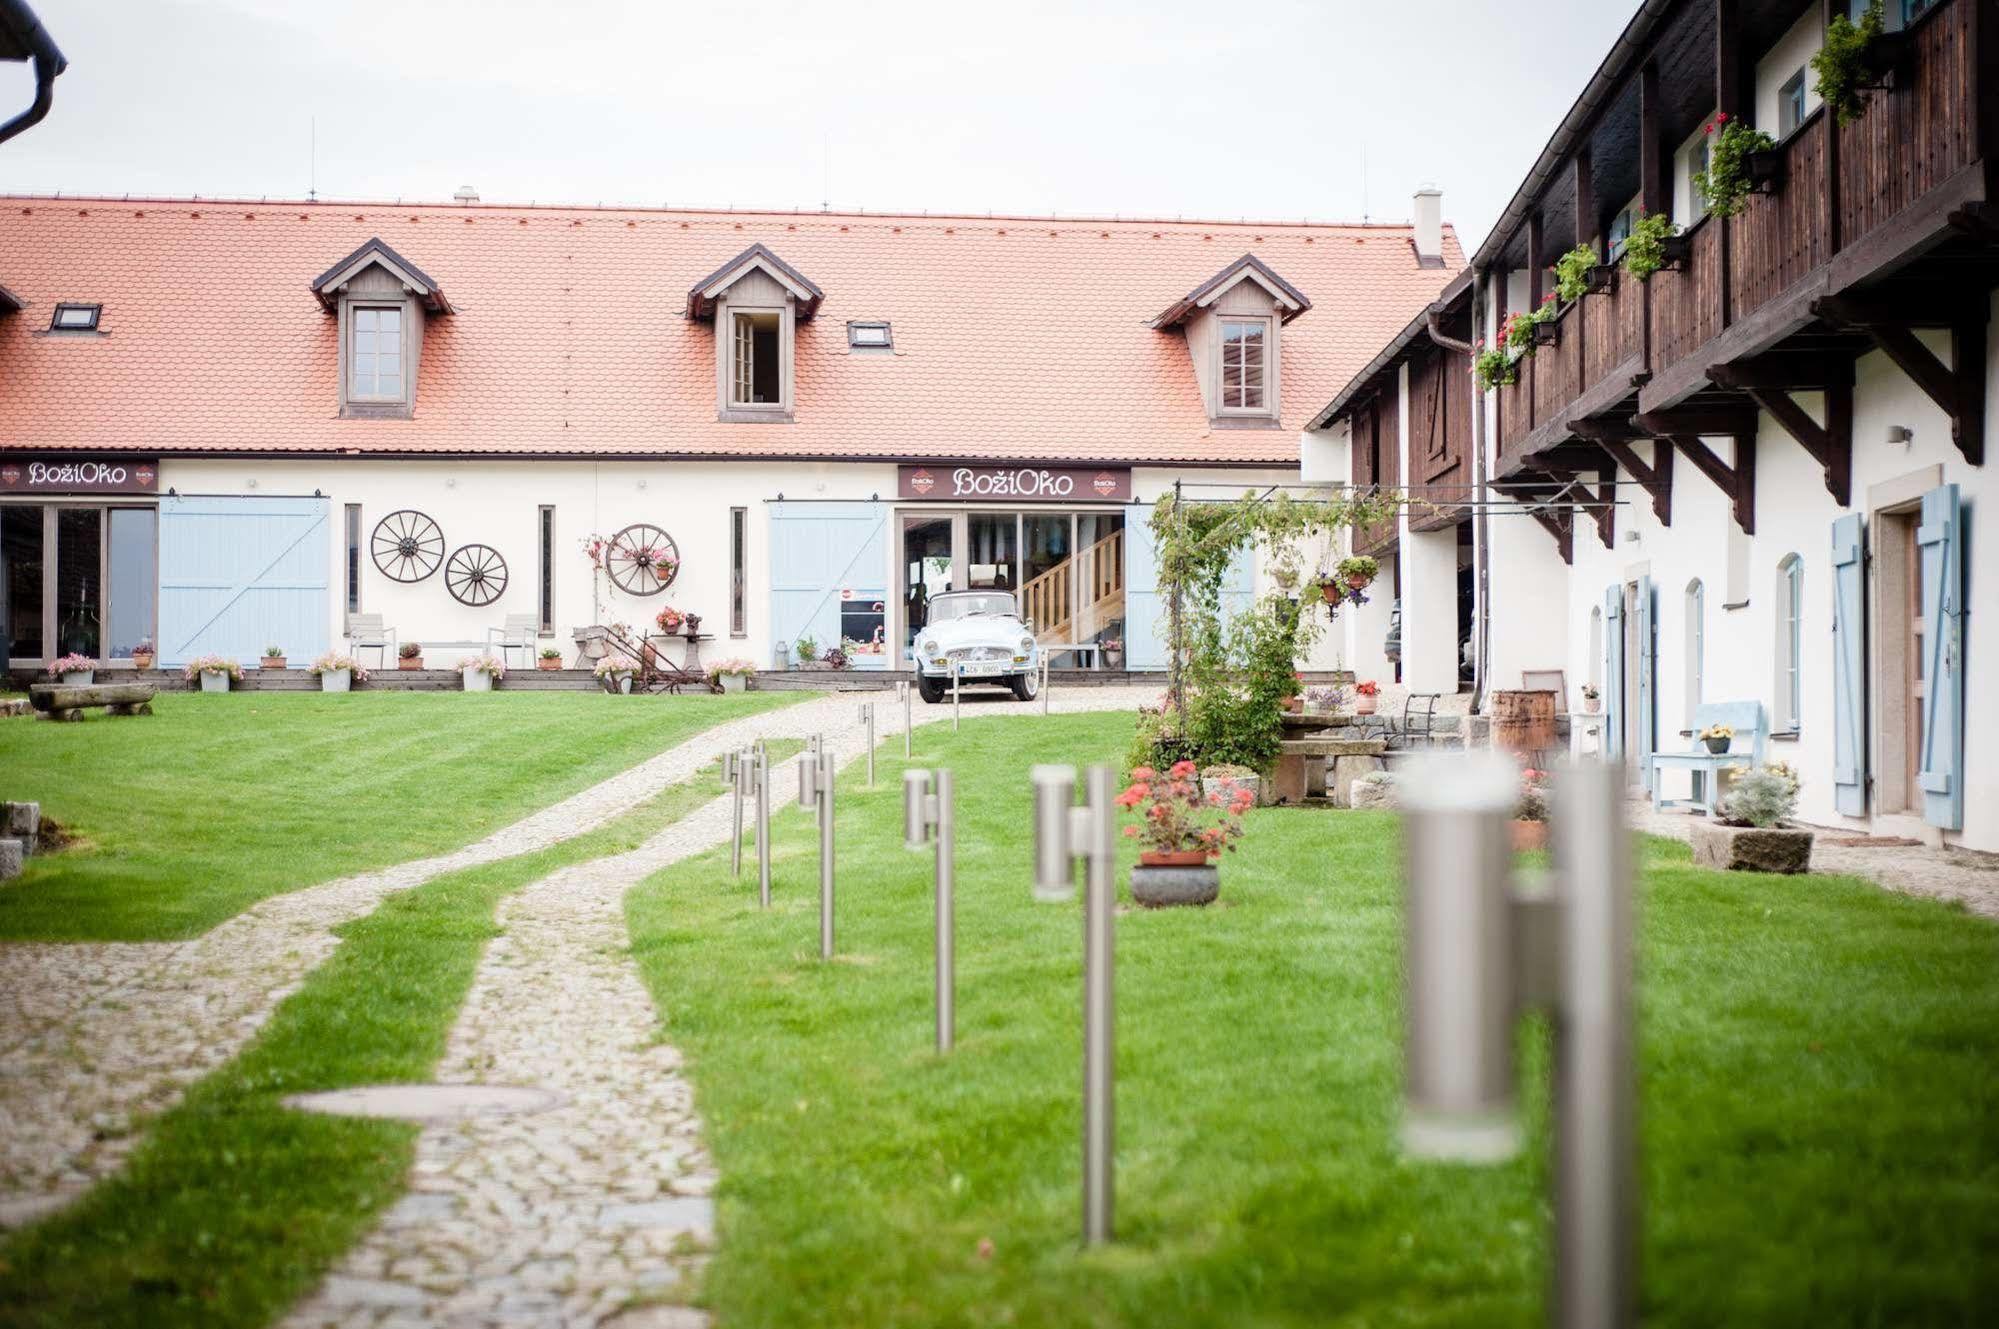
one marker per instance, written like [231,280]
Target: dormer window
[1234,326]
[1244,342]
[380,301]
[75,318]
[756,301]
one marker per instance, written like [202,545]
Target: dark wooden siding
[1440,446]
[1377,463]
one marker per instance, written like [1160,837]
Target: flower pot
[272,662]
[1545,333]
[1359,581]
[1332,591]
[556,663]
[1717,745]
[1676,250]
[1591,705]
[477,680]
[410,662]
[336,680]
[1294,704]
[78,678]
[214,680]
[1529,835]
[619,683]
[1172,858]
[1765,169]
[1601,279]
[1365,705]
[692,625]
[142,659]
[1114,660]
[1169,887]
[734,682]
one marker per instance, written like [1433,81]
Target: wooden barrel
[1523,721]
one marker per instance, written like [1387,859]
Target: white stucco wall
[1789,55]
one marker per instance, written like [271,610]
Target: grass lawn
[235,1206]
[216,802]
[1821,1104]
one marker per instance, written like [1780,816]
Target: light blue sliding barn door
[240,574]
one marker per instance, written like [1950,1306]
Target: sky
[1334,111]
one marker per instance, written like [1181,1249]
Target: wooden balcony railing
[1838,186]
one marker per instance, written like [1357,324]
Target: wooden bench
[57,701]
[1746,719]
[1300,760]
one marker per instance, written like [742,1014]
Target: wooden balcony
[1853,206]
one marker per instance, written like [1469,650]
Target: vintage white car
[977,636]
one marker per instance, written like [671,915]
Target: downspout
[49,62]
[1481,538]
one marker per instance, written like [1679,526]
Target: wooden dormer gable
[1232,323]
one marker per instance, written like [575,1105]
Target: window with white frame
[1791,104]
[1696,640]
[375,353]
[756,375]
[1245,368]
[1790,643]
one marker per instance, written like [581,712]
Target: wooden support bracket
[1657,478]
[1563,528]
[1769,381]
[1738,482]
[1958,391]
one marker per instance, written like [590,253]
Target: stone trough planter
[1167,887]
[1751,848]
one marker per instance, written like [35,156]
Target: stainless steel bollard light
[760,781]
[957,678]
[902,694]
[922,813]
[736,770]
[1044,682]
[868,719]
[1062,833]
[728,769]
[815,790]
[1480,950]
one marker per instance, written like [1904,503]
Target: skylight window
[870,337]
[75,318]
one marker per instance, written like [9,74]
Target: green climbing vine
[1233,672]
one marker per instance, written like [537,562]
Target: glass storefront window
[79,582]
[1046,583]
[21,532]
[992,551]
[133,557]
[928,568]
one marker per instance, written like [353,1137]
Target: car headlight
[1026,644]
[930,648]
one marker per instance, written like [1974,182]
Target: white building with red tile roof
[212,410]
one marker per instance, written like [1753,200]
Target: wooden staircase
[1069,609]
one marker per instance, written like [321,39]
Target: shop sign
[1014,484]
[110,476]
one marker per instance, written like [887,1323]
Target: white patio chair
[518,634]
[367,632]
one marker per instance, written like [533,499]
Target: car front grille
[977,653]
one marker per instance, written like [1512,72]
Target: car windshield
[945,608]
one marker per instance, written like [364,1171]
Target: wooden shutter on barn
[1849,676]
[1940,538]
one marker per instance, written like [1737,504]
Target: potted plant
[550,658]
[409,655]
[669,620]
[1592,699]
[1530,812]
[1726,181]
[1651,245]
[1850,60]
[1492,367]
[1753,833]
[1573,273]
[1113,648]
[835,659]
[1182,832]
[338,673]
[481,673]
[692,624]
[143,654]
[615,672]
[1326,699]
[274,658]
[214,672]
[1358,571]
[1717,737]
[1364,694]
[732,675]
[74,670]
[806,648]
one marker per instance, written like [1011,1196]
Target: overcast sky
[1161,109]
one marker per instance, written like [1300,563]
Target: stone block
[12,858]
[1751,848]
[1346,770]
[22,821]
[1378,795]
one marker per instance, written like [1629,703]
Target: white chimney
[466,195]
[1429,226]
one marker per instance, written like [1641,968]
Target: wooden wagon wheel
[407,545]
[475,575]
[642,560]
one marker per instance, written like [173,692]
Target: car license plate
[980,668]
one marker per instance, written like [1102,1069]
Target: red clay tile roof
[1015,338]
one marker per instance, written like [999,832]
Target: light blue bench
[1751,733]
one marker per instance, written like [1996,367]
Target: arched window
[1696,640]
[1790,643]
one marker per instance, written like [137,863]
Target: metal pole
[868,713]
[763,824]
[825,855]
[1099,1097]
[957,677]
[903,688]
[1595,1110]
[738,770]
[947,911]
[1044,682]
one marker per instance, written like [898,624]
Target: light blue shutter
[1849,676]
[1648,691]
[818,550]
[1613,672]
[1941,770]
[1144,616]
[238,574]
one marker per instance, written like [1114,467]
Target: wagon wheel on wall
[642,560]
[475,575]
[407,545]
